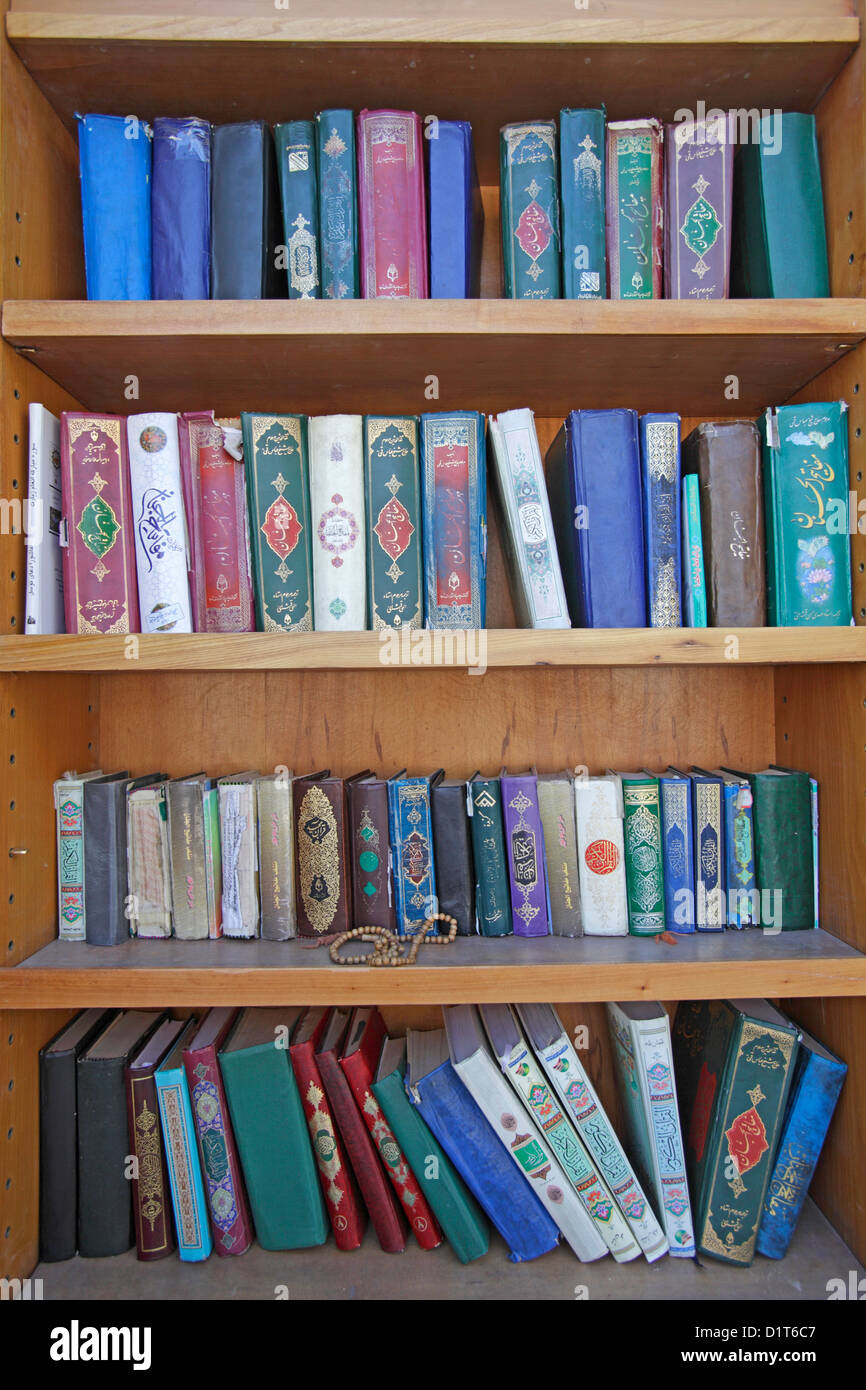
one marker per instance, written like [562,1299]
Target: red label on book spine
[453,577]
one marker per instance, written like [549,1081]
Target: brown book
[370,851]
[151,1197]
[726,455]
[323,889]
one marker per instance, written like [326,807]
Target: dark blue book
[248,258]
[116,158]
[594,485]
[582,194]
[299,194]
[662,483]
[456,216]
[818,1078]
[411,830]
[711,909]
[678,850]
[181,207]
[338,204]
[491,1175]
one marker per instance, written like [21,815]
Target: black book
[246,214]
[452,853]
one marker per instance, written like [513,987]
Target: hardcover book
[338,204]
[582,187]
[181,207]
[246,214]
[196,864]
[151,1193]
[392,490]
[215,501]
[323,885]
[391,205]
[711,913]
[557,811]
[529,197]
[723,457]
[678,850]
[149,871]
[411,827]
[644,866]
[694,580]
[784,865]
[299,194]
[634,209]
[660,463]
[239,850]
[456,214]
[698,197]
[189,1203]
[338,523]
[278,498]
[492,891]
[69,811]
[227,1204]
[370,851]
[601,856]
[115,161]
[454,491]
[452,852]
[161,558]
[276,839]
[739,850]
[524,843]
[106,856]
[44,611]
[100,592]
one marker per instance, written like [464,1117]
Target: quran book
[644,861]
[533,562]
[678,849]
[660,460]
[189,1202]
[276,838]
[524,844]
[299,194]
[739,850]
[529,198]
[392,491]
[641,1038]
[100,593]
[556,809]
[337,515]
[411,826]
[582,188]
[247,222]
[454,493]
[710,851]
[634,209]
[784,864]
[723,459]
[115,160]
[151,1193]
[391,206]
[601,856]
[181,207]
[734,1060]
[216,511]
[107,906]
[196,870]
[239,852]
[456,214]
[492,890]
[278,498]
[452,852]
[338,204]
[148,859]
[698,196]
[694,581]
[227,1204]
[69,811]
[44,599]
[373,899]
[323,884]
[558,1057]
[160,525]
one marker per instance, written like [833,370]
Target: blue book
[411,829]
[338,204]
[694,580]
[455,213]
[299,194]
[582,189]
[594,486]
[678,850]
[662,481]
[711,912]
[115,157]
[181,199]
[181,1152]
[743,903]
[491,1175]
[818,1078]
[454,505]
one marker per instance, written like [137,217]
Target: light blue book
[116,159]
[694,583]
[181,1152]
[411,828]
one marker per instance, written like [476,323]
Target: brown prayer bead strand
[387,946]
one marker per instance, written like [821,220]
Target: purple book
[524,846]
[697,210]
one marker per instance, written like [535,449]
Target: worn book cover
[698,197]
[391,204]
[454,491]
[723,459]
[338,204]
[634,209]
[582,187]
[295,143]
[529,197]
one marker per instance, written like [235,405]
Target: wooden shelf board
[201,973]
[368,355]
[423,651]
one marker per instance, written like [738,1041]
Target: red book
[100,589]
[392,214]
[229,1210]
[359,1061]
[151,1195]
[342,1200]
[378,1195]
[214,495]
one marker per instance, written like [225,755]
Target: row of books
[170,523]
[284,1123]
[534,854]
[184,210]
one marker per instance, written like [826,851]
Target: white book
[533,560]
[554,1050]
[601,856]
[149,868]
[44,597]
[337,516]
[240,860]
[641,1037]
[69,810]
[527,1145]
[161,542]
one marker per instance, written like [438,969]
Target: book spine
[227,580]
[694,583]
[710,908]
[160,525]
[655,1065]
[660,459]
[149,901]
[600,859]
[338,523]
[813,785]
[740,846]
[644,870]
[412,848]
[69,806]
[529,194]
[634,209]
[181,207]
[44,599]
[278,498]
[296,164]
[213,861]
[115,156]
[493,899]
[370,849]
[678,853]
[184,1169]
[99,585]
[556,808]
[393,511]
[237,822]
[276,837]
[151,1199]
[530,546]
[392,213]
[338,204]
[455,212]
[698,178]
[524,840]
[221,1171]
[455,537]
[188,868]
[582,179]
[345,1211]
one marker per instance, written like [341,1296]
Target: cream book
[337,514]
[149,864]
[240,864]
[601,856]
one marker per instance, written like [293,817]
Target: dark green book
[338,204]
[492,891]
[780,241]
[462,1220]
[529,198]
[784,866]
[582,185]
[644,869]
[271,1130]
[299,195]
[733,1061]
[392,486]
[278,496]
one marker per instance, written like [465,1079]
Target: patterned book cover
[100,592]
[556,808]
[370,850]
[740,851]
[151,1195]
[276,837]
[278,495]
[240,864]
[601,856]
[226,1199]
[644,866]
[660,461]
[678,850]
[295,143]
[323,884]
[337,515]
[529,197]
[44,599]
[160,525]
[492,892]
[634,209]
[338,205]
[698,195]
[711,913]
[582,183]
[391,205]
[524,846]
[694,583]
[215,499]
[392,485]
[186,836]
[69,811]
[191,1222]
[149,902]
[412,851]
[454,489]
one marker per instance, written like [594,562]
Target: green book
[462,1220]
[529,197]
[733,1060]
[644,872]
[492,891]
[338,204]
[278,496]
[271,1130]
[784,847]
[634,209]
[392,487]
[296,163]
[805,470]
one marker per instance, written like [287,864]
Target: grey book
[276,856]
[556,808]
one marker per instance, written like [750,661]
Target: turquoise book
[392,491]
[296,164]
[529,197]
[188,1199]
[694,582]
[338,204]
[582,192]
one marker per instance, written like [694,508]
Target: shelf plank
[151,974]
[365,355]
[422,651]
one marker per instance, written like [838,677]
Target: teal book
[805,469]
[529,199]
[392,489]
[582,200]
[492,893]
[634,209]
[271,1131]
[461,1218]
[644,858]
[338,204]
[694,582]
[278,508]
[296,164]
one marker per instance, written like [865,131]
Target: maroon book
[392,215]
[214,496]
[231,1222]
[151,1194]
[100,589]
[379,1196]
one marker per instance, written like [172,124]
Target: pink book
[100,590]
[393,219]
[231,1222]
[214,495]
